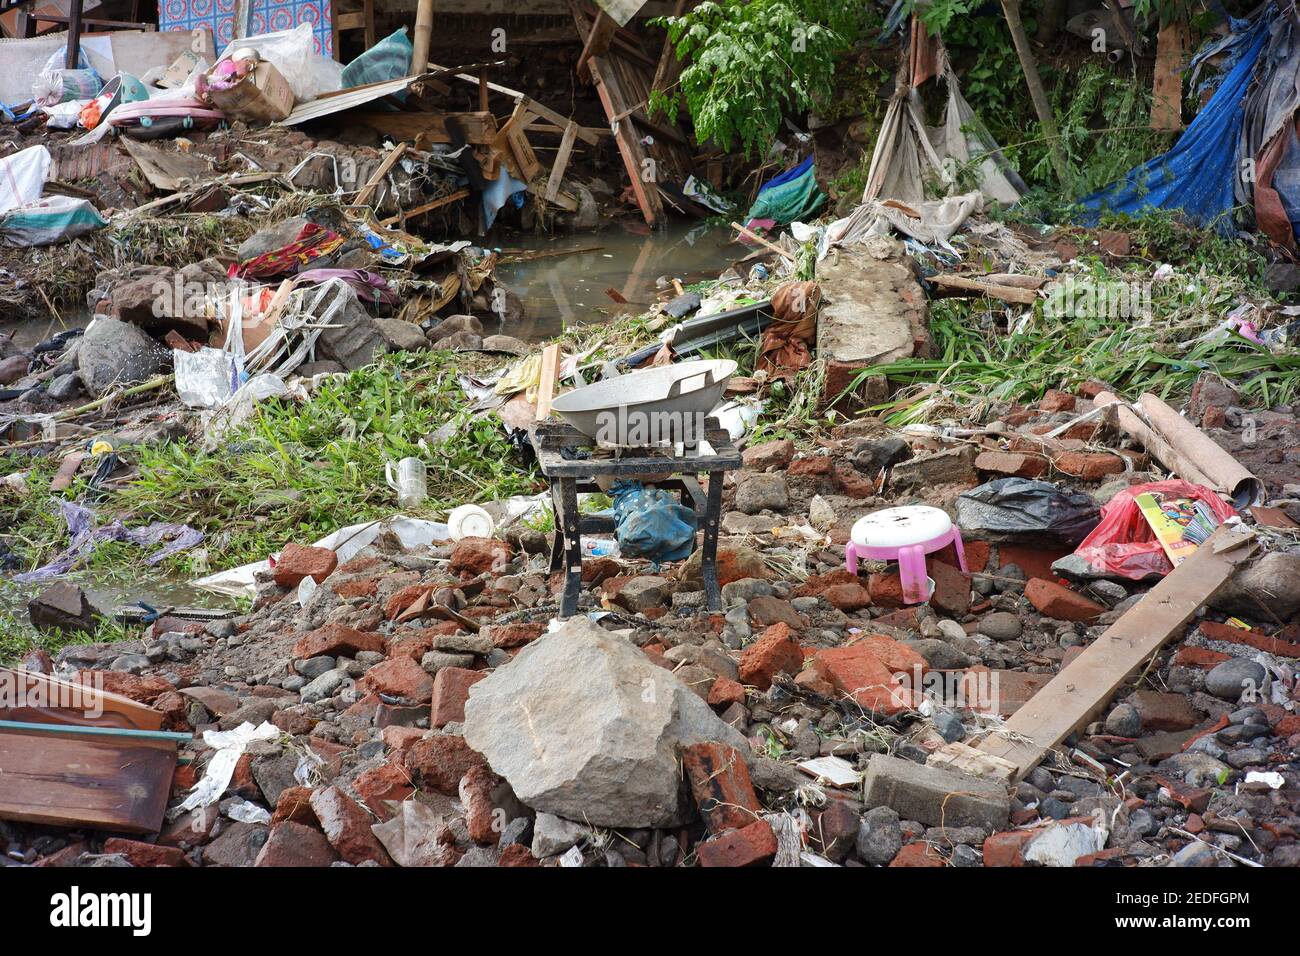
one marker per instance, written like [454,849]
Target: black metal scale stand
[568,476]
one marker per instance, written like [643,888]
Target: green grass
[979,360]
[297,472]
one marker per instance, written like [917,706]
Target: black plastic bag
[1034,512]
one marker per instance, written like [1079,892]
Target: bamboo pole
[423,37]
[1011,9]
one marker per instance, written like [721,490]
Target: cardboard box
[262,96]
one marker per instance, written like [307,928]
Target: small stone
[1001,626]
[1231,678]
[762,492]
[1124,721]
[880,836]
[553,835]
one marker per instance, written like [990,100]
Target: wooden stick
[368,190]
[427,207]
[750,234]
[1006,293]
[148,386]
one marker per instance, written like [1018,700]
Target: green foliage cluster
[749,62]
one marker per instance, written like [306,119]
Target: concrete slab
[873,310]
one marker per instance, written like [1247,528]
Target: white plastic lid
[470,521]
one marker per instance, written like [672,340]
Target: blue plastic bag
[652,523]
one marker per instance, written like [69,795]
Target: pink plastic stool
[905,535]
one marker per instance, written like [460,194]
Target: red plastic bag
[1124,545]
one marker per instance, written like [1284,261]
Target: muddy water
[567,290]
[560,290]
[109,592]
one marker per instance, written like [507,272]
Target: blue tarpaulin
[1198,175]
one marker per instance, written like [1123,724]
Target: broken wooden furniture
[624,74]
[560,448]
[76,755]
[344,21]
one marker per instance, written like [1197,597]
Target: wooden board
[1076,694]
[561,162]
[1167,84]
[70,703]
[546,381]
[60,781]
[166,169]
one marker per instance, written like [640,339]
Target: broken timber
[119,784]
[1080,690]
[1007,293]
[623,76]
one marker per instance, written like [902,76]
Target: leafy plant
[748,62]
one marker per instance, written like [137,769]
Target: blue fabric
[1198,174]
[788,176]
[651,523]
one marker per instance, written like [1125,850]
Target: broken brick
[747,846]
[721,786]
[335,639]
[450,691]
[298,561]
[1061,603]
[771,654]
[347,827]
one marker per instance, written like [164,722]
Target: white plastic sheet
[413,533]
[22,177]
[230,746]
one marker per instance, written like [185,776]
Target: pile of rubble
[426,708]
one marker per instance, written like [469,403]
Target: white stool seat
[900,527]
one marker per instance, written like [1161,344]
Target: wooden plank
[426,207]
[1076,694]
[561,162]
[599,38]
[368,190]
[166,170]
[479,128]
[546,383]
[629,147]
[965,759]
[48,699]
[110,785]
[1006,293]
[1167,83]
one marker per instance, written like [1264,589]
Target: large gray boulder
[114,353]
[582,725]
